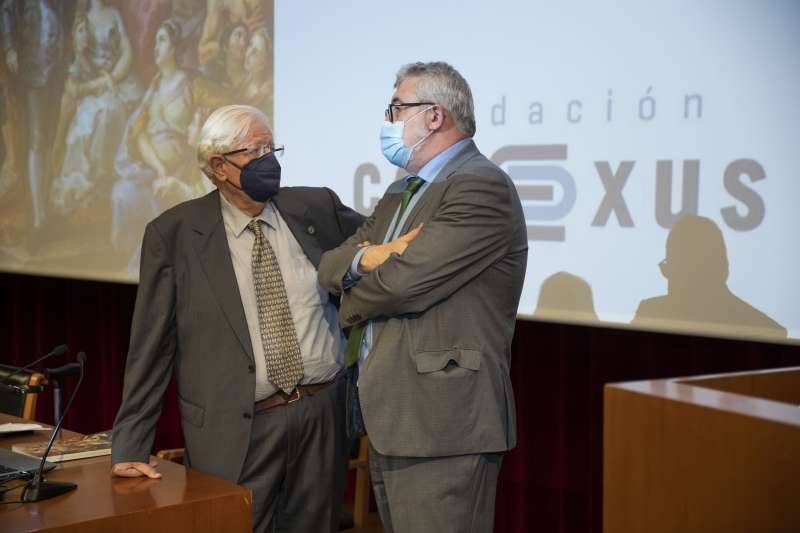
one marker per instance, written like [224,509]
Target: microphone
[61,349]
[70,369]
[38,489]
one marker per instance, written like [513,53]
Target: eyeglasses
[392,108]
[259,150]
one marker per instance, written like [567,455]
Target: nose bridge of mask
[260,160]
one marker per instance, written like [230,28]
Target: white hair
[225,130]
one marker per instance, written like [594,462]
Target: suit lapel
[211,245]
[386,218]
[297,216]
[434,189]
[421,208]
[421,211]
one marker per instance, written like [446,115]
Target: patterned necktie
[278,334]
[353,348]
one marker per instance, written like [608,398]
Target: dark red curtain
[39,313]
[552,481]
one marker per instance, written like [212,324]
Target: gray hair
[224,130]
[442,84]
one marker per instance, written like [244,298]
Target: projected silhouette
[696,268]
[566,296]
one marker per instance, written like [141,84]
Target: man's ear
[437,117]
[216,163]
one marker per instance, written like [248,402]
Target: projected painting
[101,103]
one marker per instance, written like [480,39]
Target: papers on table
[11,428]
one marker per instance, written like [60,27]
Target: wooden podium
[703,454]
[182,500]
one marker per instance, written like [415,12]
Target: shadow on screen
[566,296]
[698,298]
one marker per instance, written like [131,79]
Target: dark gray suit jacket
[189,320]
[436,382]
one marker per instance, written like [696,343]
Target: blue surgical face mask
[392,145]
[260,178]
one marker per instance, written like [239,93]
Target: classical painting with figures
[101,102]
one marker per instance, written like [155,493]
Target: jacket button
[251,369]
[311,230]
[248,416]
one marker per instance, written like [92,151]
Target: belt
[281,398]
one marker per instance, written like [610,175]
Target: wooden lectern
[703,454]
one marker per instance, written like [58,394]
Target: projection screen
[654,145]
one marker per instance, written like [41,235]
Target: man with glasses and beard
[430,286]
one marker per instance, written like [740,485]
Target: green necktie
[353,348]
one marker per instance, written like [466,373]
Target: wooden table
[182,500]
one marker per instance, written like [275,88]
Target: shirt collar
[236,220]
[435,165]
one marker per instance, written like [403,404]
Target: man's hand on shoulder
[136,470]
[376,255]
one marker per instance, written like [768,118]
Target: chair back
[19,397]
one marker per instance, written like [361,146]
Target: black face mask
[261,177]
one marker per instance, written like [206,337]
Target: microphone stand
[38,489]
[55,376]
[58,350]
[57,404]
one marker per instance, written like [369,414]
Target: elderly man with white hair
[229,302]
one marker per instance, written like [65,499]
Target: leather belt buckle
[294,396]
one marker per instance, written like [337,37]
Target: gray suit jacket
[436,381]
[189,320]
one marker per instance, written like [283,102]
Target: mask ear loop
[417,114]
[224,158]
[419,142]
[228,179]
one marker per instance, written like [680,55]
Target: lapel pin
[311,230]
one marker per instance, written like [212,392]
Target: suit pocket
[436,360]
[191,413]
